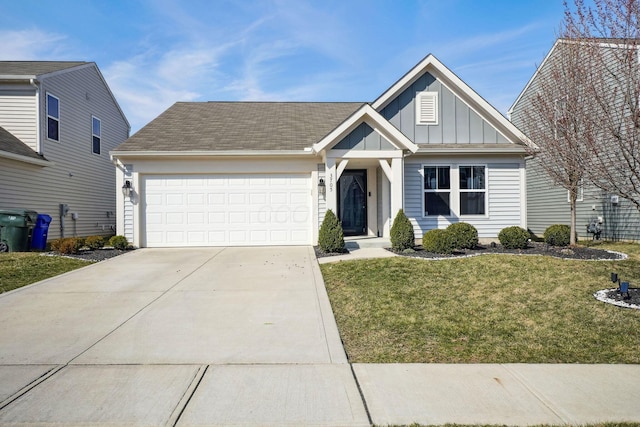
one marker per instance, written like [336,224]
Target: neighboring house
[58,122]
[264,173]
[548,204]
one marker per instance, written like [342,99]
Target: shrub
[94,242]
[119,242]
[331,236]
[402,236]
[557,235]
[437,241]
[463,235]
[514,237]
[67,246]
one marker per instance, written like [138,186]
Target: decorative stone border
[602,296]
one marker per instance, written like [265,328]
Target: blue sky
[156,52]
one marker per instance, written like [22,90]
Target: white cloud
[32,44]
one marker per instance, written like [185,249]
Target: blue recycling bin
[40,232]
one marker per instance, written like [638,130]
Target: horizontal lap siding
[504,199]
[18,115]
[77,177]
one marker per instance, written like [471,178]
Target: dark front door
[352,202]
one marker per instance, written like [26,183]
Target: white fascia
[25,159]
[230,153]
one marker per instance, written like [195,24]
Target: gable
[456,122]
[364,137]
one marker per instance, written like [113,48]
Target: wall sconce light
[127,189]
[322,188]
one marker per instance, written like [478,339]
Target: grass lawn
[485,309]
[18,269]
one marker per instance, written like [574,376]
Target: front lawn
[486,309]
[18,269]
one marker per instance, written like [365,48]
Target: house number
[330,182]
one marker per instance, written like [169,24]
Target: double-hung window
[437,190]
[96,135]
[472,190]
[53,117]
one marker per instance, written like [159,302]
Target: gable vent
[427,108]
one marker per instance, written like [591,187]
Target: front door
[352,202]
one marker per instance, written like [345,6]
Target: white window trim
[580,197]
[54,118]
[486,189]
[94,135]
[435,104]
[454,191]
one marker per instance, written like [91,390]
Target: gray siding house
[548,204]
[261,173]
[58,122]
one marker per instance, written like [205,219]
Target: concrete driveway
[207,336]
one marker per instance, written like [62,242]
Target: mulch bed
[613,296]
[535,248]
[93,255]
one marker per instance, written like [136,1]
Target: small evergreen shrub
[557,235]
[94,242]
[67,245]
[514,237]
[463,235]
[437,241]
[402,236]
[119,242]
[331,235]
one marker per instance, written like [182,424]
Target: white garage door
[227,210]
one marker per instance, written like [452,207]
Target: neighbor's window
[96,129]
[472,190]
[580,195]
[427,108]
[53,117]
[437,190]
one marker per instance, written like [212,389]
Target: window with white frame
[427,108]
[96,134]
[580,195]
[472,190]
[53,117]
[437,190]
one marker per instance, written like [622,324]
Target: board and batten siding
[504,187]
[18,112]
[457,122]
[77,177]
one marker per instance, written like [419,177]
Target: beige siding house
[260,173]
[58,122]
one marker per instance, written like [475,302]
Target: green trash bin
[16,226]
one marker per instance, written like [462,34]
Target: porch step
[360,242]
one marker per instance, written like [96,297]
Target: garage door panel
[241,210]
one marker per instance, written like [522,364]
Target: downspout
[32,82]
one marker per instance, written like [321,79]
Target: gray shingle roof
[220,126]
[11,144]
[35,68]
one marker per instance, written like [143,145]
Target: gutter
[229,153]
[32,82]
[25,159]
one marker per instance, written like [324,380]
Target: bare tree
[608,35]
[558,120]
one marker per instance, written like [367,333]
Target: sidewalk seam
[364,401]
[186,397]
[33,384]
[540,397]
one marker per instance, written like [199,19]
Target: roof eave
[211,153]
[473,149]
[25,159]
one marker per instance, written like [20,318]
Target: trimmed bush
[67,245]
[557,235]
[402,236]
[514,237]
[119,242]
[437,241]
[331,236]
[463,235]
[94,242]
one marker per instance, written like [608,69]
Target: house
[265,173]
[58,122]
[547,203]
